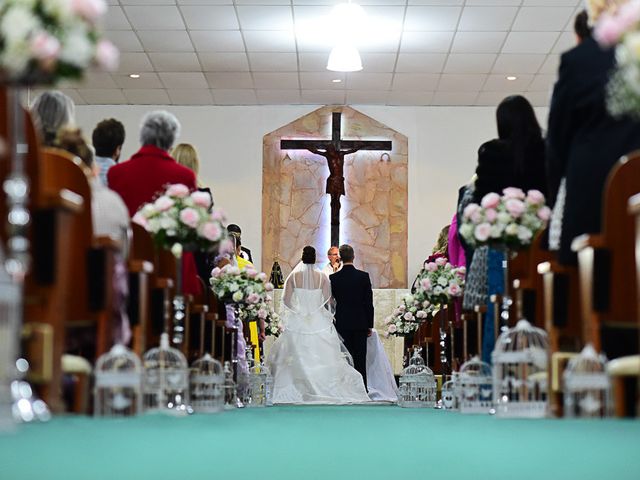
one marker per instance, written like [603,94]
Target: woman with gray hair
[147,173]
[51,111]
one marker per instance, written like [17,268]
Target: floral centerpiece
[245,289]
[48,40]
[272,324]
[619,26]
[510,220]
[439,281]
[182,217]
[408,316]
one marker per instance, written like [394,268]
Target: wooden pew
[606,260]
[141,268]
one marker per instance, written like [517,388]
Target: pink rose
[609,30]
[202,199]
[629,14]
[107,56]
[431,267]
[140,219]
[189,217]
[226,247]
[262,277]
[425,283]
[401,308]
[392,328]
[482,232]
[217,214]
[491,215]
[441,261]
[535,197]
[544,213]
[251,272]
[470,209]
[421,314]
[454,290]
[164,203]
[268,287]
[490,200]
[515,207]
[90,10]
[262,313]
[215,273]
[408,316]
[211,231]
[178,190]
[476,217]
[45,47]
[425,304]
[253,298]
[512,192]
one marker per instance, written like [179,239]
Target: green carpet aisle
[336,443]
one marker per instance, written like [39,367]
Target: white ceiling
[247,52]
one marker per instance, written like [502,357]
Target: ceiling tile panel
[210,17]
[469,63]
[323,97]
[217,40]
[134,63]
[530,42]
[165,40]
[364,97]
[265,17]
[548,19]
[270,41]
[275,81]
[322,81]
[426,42]
[461,83]
[229,80]
[378,62]
[190,97]
[415,82]
[550,65]
[509,63]
[420,62]
[175,62]
[125,40]
[278,97]
[146,80]
[499,83]
[409,98]
[224,62]
[96,96]
[273,62]
[313,62]
[431,19]
[115,19]
[147,96]
[154,17]
[454,98]
[234,97]
[368,81]
[478,42]
[487,19]
[175,80]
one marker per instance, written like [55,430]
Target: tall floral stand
[178,302]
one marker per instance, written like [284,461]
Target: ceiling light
[344,58]
[511,78]
[336,80]
[134,75]
[347,19]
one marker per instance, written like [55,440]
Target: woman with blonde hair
[186,154]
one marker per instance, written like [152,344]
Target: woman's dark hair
[581,25]
[517,125]
[308,255]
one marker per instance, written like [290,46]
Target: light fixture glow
[336,80]
[344,58]
[134,75]
[511,78]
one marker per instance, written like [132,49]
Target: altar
[385,300]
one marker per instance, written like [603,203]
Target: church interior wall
[443,144]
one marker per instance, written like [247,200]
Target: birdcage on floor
[118,383]
[476,392]
[206,385]
[10,311]
[231,399]
[448,395]
[417,384]
[520,362]
[165,384]
[587,387]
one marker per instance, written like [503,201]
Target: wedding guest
[108,138]
[583,140]
[334,265]
[52,110]
[245,252]
[145,175]
[514,159]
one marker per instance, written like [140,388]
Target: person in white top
[334,264]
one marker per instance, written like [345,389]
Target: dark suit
[583,140]
[351,288]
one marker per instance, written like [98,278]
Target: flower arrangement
[619,26]
[182,217]
[439,281]
[272,324]
[47,40]
[511,219]
[246,289]
[408,316]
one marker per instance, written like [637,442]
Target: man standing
[334,264]
[107,138]
[351,289]
[245,253]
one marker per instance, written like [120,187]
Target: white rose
[60,9]
[176,250]
[168,223]
[466,230]
[233,287]
[442,281]
[504,218]
[524,234]
[15,58]
[16,25]
[496,231]
[236,297]
[512,229]
[438,290]
[77,49]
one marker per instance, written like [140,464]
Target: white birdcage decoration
[520,362]
[165,384]
[118,383]
[206,382]
[587,387]
[253,384]
[268,383]
[476,392]
[417,384]
[448,395]
[231,400]
[9,322]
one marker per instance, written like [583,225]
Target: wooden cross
[334,151]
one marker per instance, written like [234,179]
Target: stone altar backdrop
[384,302]
[373,218]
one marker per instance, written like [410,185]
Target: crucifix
[334,151]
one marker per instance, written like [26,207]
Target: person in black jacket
[583,140]
[351,289]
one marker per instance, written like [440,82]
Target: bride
[308,361]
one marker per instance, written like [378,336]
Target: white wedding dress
[309,363]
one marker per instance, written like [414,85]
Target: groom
[351,288]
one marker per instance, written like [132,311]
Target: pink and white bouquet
[48,40]
[439,282]
[408,316]
[511,220]
[619,25]
[180,216]
[272,324]
[245,289]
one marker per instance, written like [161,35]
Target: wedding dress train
[309,363]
